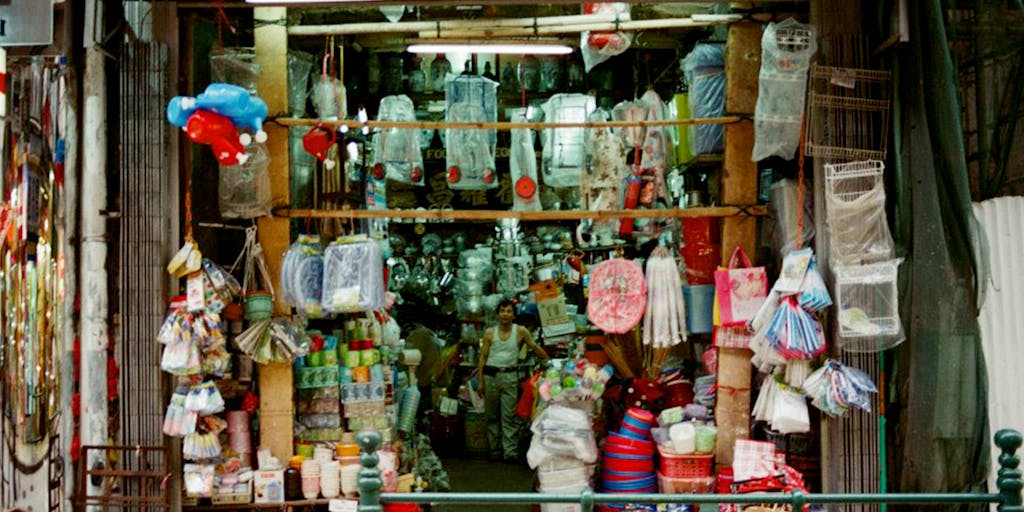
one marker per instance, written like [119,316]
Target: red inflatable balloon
[218,132]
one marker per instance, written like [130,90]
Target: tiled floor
[475,475]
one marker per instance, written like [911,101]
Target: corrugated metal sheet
[1002,314]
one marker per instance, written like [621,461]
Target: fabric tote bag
[739,290]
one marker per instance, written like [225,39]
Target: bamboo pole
[440,125]
[555,215]
[437,28]
[575,28]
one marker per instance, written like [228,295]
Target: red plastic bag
[528,398]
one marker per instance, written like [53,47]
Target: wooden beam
[275,380]
[440,125]
[742,64]
[555,215]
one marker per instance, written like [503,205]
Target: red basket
[694,465]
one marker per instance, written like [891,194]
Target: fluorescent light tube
[516,49]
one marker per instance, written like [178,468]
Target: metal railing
[1008,499]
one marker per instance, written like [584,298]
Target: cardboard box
[268,486]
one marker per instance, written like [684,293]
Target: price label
[343,506]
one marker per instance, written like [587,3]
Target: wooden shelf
[557,215]
[440,125]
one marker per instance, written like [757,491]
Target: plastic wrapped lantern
[618,295]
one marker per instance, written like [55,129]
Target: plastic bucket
[700,303]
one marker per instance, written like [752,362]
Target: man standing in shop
[498,364]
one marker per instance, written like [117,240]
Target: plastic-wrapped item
[468,156]
[244,189]
[794,333]
[601,184]
[523,167]
[470,152]
[320,420]
[786,51]
[835,388]
[599,46]
[397,149]
[868,307]
[704,69]
[784,195]
[563,158]
[302,272]
[236,66]
[299,65]
[353,277]
[855,213]
[328,95]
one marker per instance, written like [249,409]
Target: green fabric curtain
[941,442]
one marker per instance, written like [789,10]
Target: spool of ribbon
[361,374]
[238,421]
[412,357]
[377,373]
[407,414]
[240,442]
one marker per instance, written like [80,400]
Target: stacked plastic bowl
[628,455]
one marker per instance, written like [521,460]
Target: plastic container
[675,465]
[700,303]
[259,306]
[698,485]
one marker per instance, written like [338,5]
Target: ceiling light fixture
[504,48]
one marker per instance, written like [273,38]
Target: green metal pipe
[1009,498]
[797,499]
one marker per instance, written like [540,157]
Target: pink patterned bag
[739,291]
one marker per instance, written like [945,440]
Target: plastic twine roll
[410,404]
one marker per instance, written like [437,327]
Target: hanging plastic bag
[704,69]
[302,272]
[786,51]
[834,388]
[564,153]
[794,333]
[601,183]
[299,65]
[523,167]
[353,277]
[789,412]
[814,295]
[244,189]
[599,46]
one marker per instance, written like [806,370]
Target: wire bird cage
[855,213]
[848,113]
[868,305]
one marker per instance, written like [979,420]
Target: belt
[491,371]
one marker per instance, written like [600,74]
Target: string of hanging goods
[33,252]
